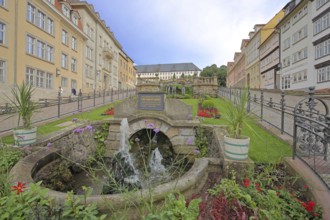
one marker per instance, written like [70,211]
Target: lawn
[92,115]
[264,146]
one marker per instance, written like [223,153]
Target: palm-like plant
[236,114]
[23,104]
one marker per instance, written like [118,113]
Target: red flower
[258,187]
[309,206]
[246,182]
[306,186]
[19,188]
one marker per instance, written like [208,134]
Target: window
[320,3]
[75,20]
[74,43]
[64,61]
[40,79]
[31,10]
[300,76]
[323,74]
[2,70]
[299,35]
[74,65]
[41,49]
[64,82]
[88,71]
[322,49]
[73,84]
[50,54]
[299,55]
[50,26]
[41,20]
[64,37]
[3,3]
[89,53]
[2,33]
[30,45]
[90,32]
[322,23]
[286,43]
[66,11]
[29,76]
[286,82]
[49,80]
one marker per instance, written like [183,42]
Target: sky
[203,32]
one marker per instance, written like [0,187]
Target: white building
[168,71]
[305,45]
[321,43]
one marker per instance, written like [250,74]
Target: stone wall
[207,89]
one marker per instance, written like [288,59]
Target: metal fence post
[104,96]
[59,103]
[282,111]
[261,105]
[94,97]
[118,93]
[230,93]
[126,92]
[111,94]
[80,101]
[327,136]
[248,108]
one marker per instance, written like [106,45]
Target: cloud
[204,32]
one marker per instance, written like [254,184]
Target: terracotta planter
[25,137]
[236,149]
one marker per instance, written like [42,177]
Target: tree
[220,72]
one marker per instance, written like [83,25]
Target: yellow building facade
[127,72]
[43,47]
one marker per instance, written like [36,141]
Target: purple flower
[190,141]
[137,140]
[156,130]
[49,145]
[89,128]
[78,130]
[197,117]
[74,120]
[106,141]
[196,152]
[150,125]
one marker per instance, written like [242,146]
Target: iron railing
[61,106]
[306,120]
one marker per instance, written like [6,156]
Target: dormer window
[52,1]
[75,20]
[66,11]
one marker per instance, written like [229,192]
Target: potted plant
[25,107]
[237,145]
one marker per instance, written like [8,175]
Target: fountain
[142,162]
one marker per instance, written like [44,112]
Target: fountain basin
[191,182]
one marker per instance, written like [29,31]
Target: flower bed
[109,111]
[208,112]
[267,193]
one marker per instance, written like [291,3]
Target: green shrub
[9,157]
[208,104]
[176,207]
